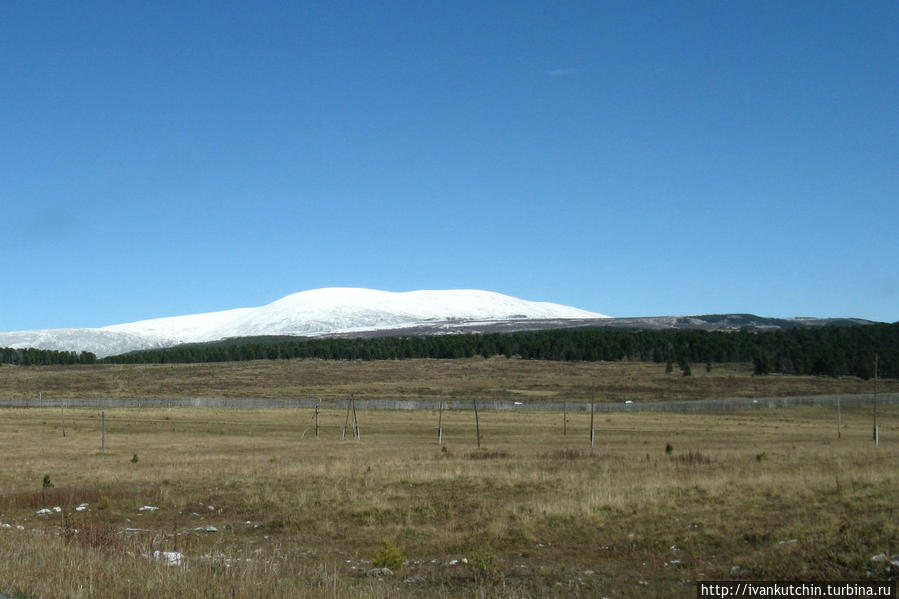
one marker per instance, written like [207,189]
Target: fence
[581,405]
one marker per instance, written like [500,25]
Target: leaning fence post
[346,422]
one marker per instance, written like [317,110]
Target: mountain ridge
[356,312]
[317,312]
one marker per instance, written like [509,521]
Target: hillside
[317,312]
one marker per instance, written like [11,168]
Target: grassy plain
[757,495]
[496,378]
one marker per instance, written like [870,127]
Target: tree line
[833,351]
[44,357]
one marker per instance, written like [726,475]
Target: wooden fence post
[477,421]
[839,420]
[316,418]
[346,422]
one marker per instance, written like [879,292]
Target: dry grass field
[496,378]
[258,507]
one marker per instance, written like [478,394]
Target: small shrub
[484,563]
[668,448]
[47,484]
[389,556]
[761,457]
[134,459]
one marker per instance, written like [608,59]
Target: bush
[389,556]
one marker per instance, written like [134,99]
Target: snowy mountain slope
[317,312]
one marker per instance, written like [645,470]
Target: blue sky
[632,158]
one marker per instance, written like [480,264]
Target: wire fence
[572,405]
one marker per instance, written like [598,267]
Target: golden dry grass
[766,494]
[496,378]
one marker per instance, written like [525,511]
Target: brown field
[496,378]
[760,495]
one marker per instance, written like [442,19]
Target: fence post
[346,422]
[440,424]
[103,431]
[839,420]
[876,429]
[477,421]
[592,430]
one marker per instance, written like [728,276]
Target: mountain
[319,312]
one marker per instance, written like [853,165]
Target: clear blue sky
[632,158]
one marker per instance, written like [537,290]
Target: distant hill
[315,313]
[352,312]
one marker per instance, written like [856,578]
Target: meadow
[494,378]
[249,503]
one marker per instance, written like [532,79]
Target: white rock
[207,528]
[81,507]
[147,508]
[44,511]
[379,572]
[171,558]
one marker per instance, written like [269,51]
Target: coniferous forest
[833,351]
[44,357]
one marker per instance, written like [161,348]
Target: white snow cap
[309,313]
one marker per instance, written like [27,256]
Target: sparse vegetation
[542,517]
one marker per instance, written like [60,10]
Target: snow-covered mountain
[318,312]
